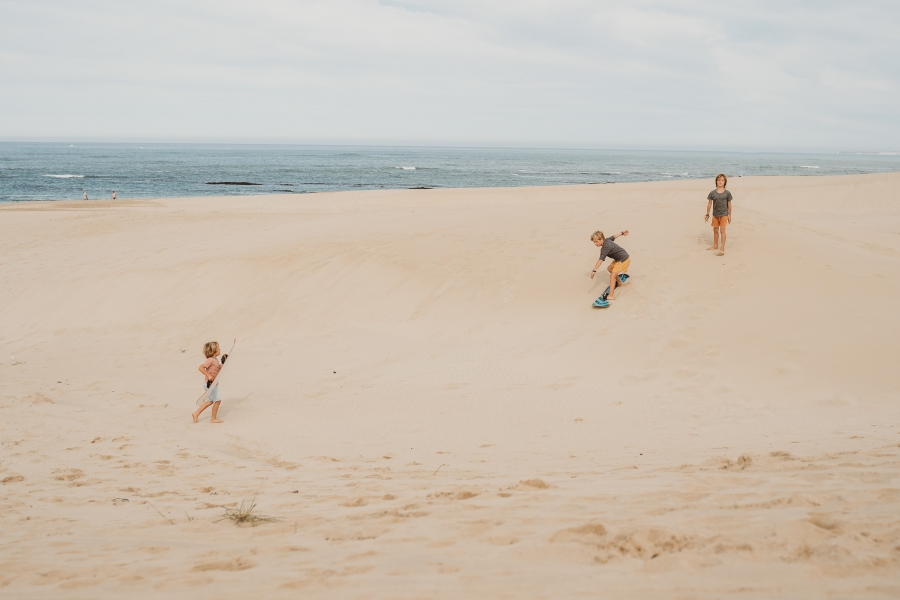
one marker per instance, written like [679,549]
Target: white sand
[425,399]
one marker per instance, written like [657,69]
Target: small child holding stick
[210,369]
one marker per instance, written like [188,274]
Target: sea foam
[67,176]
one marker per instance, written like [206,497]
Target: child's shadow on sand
[229,405]
[599,283]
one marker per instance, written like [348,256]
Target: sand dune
[425,400]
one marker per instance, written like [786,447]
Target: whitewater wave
[406,168]
[66,176]
[809,167]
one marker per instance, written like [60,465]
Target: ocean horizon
[31,171]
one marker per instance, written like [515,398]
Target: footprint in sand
[462,495]
[726,464]
[531,485]
[644,542]
[237,564]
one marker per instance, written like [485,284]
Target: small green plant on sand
[243,514]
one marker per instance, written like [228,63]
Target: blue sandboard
[623,279]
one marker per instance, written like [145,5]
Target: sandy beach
[424,400]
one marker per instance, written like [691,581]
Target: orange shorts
[620,267]
[720,221]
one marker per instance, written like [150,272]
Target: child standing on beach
[720,203]
[620,263]
[210,369]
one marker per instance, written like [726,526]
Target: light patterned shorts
[213,395]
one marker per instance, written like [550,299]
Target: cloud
[651,74]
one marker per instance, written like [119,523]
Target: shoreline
[64,172]
[562,187]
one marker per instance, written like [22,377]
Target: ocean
[56,171]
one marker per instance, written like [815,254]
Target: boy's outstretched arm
[708,208]
[597,266]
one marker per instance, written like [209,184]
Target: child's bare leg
[613,282]
[215,412]
[721,252]
[196,413]
[715,239]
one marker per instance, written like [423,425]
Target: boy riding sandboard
[617,270]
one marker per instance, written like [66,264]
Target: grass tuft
[243,514]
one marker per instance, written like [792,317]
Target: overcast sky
[689,74]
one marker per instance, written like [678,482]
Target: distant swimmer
[720,203]
[114,195]
[617,270]
[84,195]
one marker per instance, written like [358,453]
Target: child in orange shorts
[620,264]
[720,203]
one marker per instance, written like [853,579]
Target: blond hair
[210,349]
[597,235]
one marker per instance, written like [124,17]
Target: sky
[783,75]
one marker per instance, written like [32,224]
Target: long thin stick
[171,522]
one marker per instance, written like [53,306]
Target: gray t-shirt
[720,202]
[612,250]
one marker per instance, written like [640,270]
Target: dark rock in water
[421,188]
[231,183]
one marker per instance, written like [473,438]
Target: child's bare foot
[195,415]
[216,421]
[713,248]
